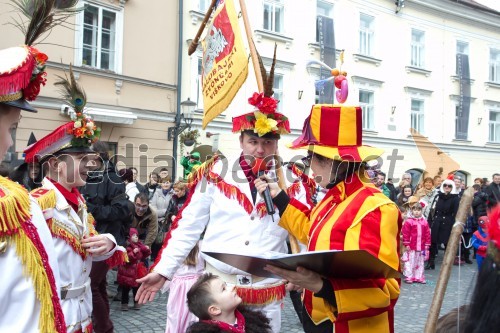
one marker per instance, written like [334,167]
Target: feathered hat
[73,137]
[22,68]
[264,122]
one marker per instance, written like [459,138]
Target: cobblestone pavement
[411,309]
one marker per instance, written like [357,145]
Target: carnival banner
[225,62]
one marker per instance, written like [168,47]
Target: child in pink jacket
[417,240]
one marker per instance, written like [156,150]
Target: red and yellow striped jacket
[353,215]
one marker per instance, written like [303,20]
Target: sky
[495,4]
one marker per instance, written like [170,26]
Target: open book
[351,264]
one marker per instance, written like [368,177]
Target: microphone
[266,194]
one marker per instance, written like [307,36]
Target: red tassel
[18,78]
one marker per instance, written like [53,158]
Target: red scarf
[71,197]
[240,322]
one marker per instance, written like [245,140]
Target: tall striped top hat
[335,131]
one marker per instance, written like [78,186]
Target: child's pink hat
[133,231]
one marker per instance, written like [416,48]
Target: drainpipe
[179,85]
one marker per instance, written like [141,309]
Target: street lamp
[186,115]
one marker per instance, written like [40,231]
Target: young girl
[416,239]
[480,240]
[403,197]
[134,269]
[178,315]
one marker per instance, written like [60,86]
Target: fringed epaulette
[91,225]
[308,183]
[197,174]
[58,231]
[46,198]
[17,228]
[14,207]
[118,258]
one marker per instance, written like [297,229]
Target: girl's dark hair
[484,311]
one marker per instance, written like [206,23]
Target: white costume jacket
[223,204]
[27,255]
[68,229]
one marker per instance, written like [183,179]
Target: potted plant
[189,138]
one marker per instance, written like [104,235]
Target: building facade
[428,65]
[124,54]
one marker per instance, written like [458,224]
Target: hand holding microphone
[266,188]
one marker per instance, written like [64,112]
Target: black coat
[493,192]
[255,322]
[106,200]
[442,217]
[479,205]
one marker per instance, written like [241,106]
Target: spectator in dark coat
[28,174]
[441,218]
[493,191]
[479,203]
[392,189]
[106,200]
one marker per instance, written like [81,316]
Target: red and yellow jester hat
[335,131]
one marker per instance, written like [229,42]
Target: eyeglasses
[447,185]
[306,160]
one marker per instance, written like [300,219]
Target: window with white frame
[273,15]
[417,48]
[417,115]
[325,9]
[462,48]
[203,5]
[366,101]
[99,37]
[278,90]
[494,124]
[366,33]
[495,65]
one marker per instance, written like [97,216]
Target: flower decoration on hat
[84,130]
[338,76]
[75,136]
[265,120]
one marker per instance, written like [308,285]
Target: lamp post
[183,121]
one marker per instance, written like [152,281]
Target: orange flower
[79,132]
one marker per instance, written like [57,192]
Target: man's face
[458,182]
[163,174]
[438,181]
[140,207]
[407,179]
[379,180]
[9,118]
[225,297]
[134,174]
[496,180]
[257,147]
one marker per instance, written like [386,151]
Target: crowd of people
[439,200]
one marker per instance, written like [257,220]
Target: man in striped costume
[353,215]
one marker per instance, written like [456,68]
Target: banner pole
[253,52]
[194,43]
